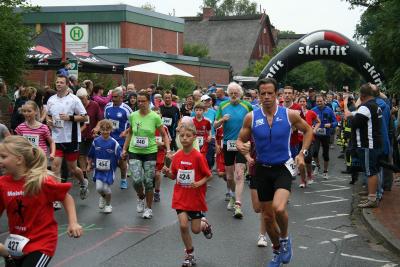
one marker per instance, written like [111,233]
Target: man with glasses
[118,112]
[231,114]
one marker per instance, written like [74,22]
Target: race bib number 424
[185,177]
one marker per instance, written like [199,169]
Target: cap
[81,92]
[205,97]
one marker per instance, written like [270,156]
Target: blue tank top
[272,143]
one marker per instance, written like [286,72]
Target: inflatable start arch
[323,44]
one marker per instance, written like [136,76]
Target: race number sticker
[185,177]
[167,121]
[15,244]
[200,140]
[291,166]
[58,123]
[115,124]
[231,145]
[103,164]
[33,139]
[321,131]
[142,142]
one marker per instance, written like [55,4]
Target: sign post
[77,38]
[73,67]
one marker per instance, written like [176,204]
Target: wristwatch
[305,152]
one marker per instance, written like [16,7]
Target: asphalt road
[326,231]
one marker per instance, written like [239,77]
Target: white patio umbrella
[160,68]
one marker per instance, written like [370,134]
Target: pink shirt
[102,101]
[37,137]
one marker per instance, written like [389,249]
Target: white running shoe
[231,204]
[316,171]
[107,209]
[140,205]
[310,181]
[325,176]
[302,185]
[102,203]
[147,214]
[262,241]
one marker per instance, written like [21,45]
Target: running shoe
[231,204]
[237,212]
[124,184]
[262,241]
[84,191]
[325,176]
[140,205]
[227,196]
[102,203]
[310,181]
[368,204]
[147,214]
[286,250]
[207,231]
[276,259]
[156,197]
[57,205]
[107,209]
[189,260]
[316,170]
[302,185]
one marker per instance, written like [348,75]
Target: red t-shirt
[202,128]
[161,150]
[294,137]
[32,216]
[310,117]
[95,115]
[187,198]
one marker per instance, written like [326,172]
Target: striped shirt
[37,137]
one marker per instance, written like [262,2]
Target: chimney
[208,12]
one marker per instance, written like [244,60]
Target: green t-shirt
[143,132]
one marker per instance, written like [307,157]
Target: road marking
[324,242]
[335,197]
[390,265]
[336,239]
[326,217]
[326,190]
[328,201]
[326,229]
[363,258]
[349,236]
[303,247]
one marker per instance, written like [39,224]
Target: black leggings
[324,141]
[33,259]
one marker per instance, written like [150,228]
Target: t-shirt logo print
[19,209]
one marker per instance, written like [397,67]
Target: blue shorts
[369,160]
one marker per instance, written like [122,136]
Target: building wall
[264,44]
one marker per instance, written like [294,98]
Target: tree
[379,30]
[231,7]
[148,6]
[183,85]
[195,50]
[15,40]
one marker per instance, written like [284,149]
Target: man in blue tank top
[270,127]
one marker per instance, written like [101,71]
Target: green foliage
[184,85]
[15,41]
[309,74]
[256,68]
[98,78]
[195,50]
[148,6]
[231,7]
[285,33]
[339,74]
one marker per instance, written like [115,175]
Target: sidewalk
[384,221]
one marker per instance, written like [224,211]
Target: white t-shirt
[70,105]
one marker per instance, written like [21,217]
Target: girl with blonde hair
[27,193]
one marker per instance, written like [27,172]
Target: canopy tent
[160,68]
[46,54]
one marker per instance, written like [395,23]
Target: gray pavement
[324,228]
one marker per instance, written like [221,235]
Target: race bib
[291,166]
[115,124]
[158,139]
[185,177]
[200,140]
[103,164]
[58,123]
[141,141]
[33,139]
[15,244]
[321,131]
[231,145]
[167,121]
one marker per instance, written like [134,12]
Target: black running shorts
[270,178]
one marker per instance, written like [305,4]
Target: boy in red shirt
[190,170]
[203,128]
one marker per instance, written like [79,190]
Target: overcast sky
[299,16]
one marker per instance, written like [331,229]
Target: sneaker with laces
[237,211]
[102,203]
[276,259]
[57,205]
[107,209]
[140,205]
[189,260]
[227,196]
[207,231]
[325,176]
[156,197]
[302,185]
[147,214]
[231,204]
[286,250]
[262,241]
[368,204]
[84,191]
[124,184]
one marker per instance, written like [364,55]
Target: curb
[380,232]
